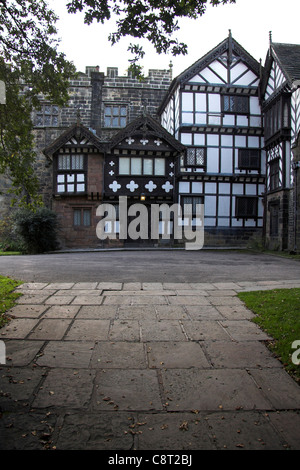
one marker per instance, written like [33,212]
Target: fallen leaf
[184,426]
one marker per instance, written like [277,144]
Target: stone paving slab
[135,365]
[66,354]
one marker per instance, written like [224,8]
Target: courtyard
[150,266]
[144,350]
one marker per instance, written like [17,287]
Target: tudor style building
[280,97]
[141,164]
[213,109]
[222,134]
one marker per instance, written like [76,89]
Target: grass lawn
[7,297]
[278,313]
[9,253]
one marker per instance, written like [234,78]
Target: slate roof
[76,130]
[288,57]
[151,126]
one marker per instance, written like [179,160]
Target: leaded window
[70,174]
[141,166]
[81,217]
[46,116]
[246,207]
[277,117]
[249,159]
[189,204]
[274,174]
[115,116]
[194,157]
[235,104]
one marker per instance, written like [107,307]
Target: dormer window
[70,174]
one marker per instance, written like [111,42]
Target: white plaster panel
[242,121]
[254,142]
[199,139]
[246,79]
[254,105]
[226,160]
[228,120]
[237,189]
[210,205]
[224,188]
[223,222]
[196,79]
[214,103]
[255,121]
[212,160]
[210,188]
[184,187]
[226,140]
[212,140]
[250,223]
[200,118]
[201,102]
[237,70]
[209,222]
[186,139]
[240,141]
[197,188]
[220,69]
[224,206]
[251,189]
[236,223]
[187,101]
[187,118]
[210,76]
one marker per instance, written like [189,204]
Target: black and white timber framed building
[223,133]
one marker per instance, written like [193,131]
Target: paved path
[130,365]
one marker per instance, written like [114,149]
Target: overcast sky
[249,20]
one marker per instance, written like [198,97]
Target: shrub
[9,239]
[37,229]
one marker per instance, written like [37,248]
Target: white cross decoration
[171,174]
[150,186]
[132,186]
[111,172]
[144,141]
[158,142]
[167,186]
[172,165]
[111,163]
[115,186]
[130,140]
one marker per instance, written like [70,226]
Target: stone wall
[233,237]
